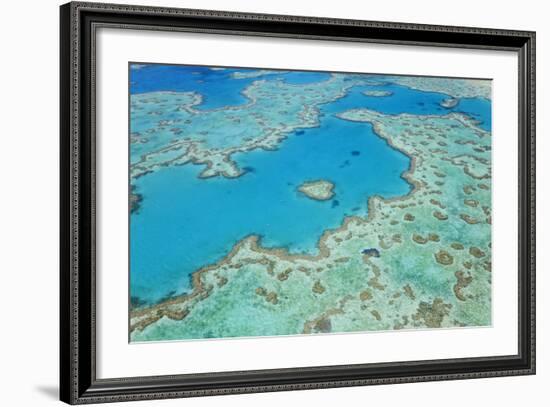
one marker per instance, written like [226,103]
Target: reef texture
[321,190]
[377,93]
[449,103]
[419,261]
[168,128]
[255,73]
[455,87]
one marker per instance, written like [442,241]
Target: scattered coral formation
[377,93]
[321,190]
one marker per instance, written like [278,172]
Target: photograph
[270,202]
[271,199]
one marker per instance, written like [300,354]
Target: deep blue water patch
[412,101]
[477,108]
[303,78]
[217,86]
[371,251]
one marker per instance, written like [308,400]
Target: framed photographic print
[256,203]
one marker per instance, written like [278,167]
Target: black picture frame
[78,382]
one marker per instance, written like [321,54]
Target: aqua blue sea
[217,87]
[186,222]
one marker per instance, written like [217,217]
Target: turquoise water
[186,222]
[190,222]
[412,101]
[217,87]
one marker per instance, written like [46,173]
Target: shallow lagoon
[186,222]
[190,222]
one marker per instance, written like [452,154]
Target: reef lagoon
[392,230]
